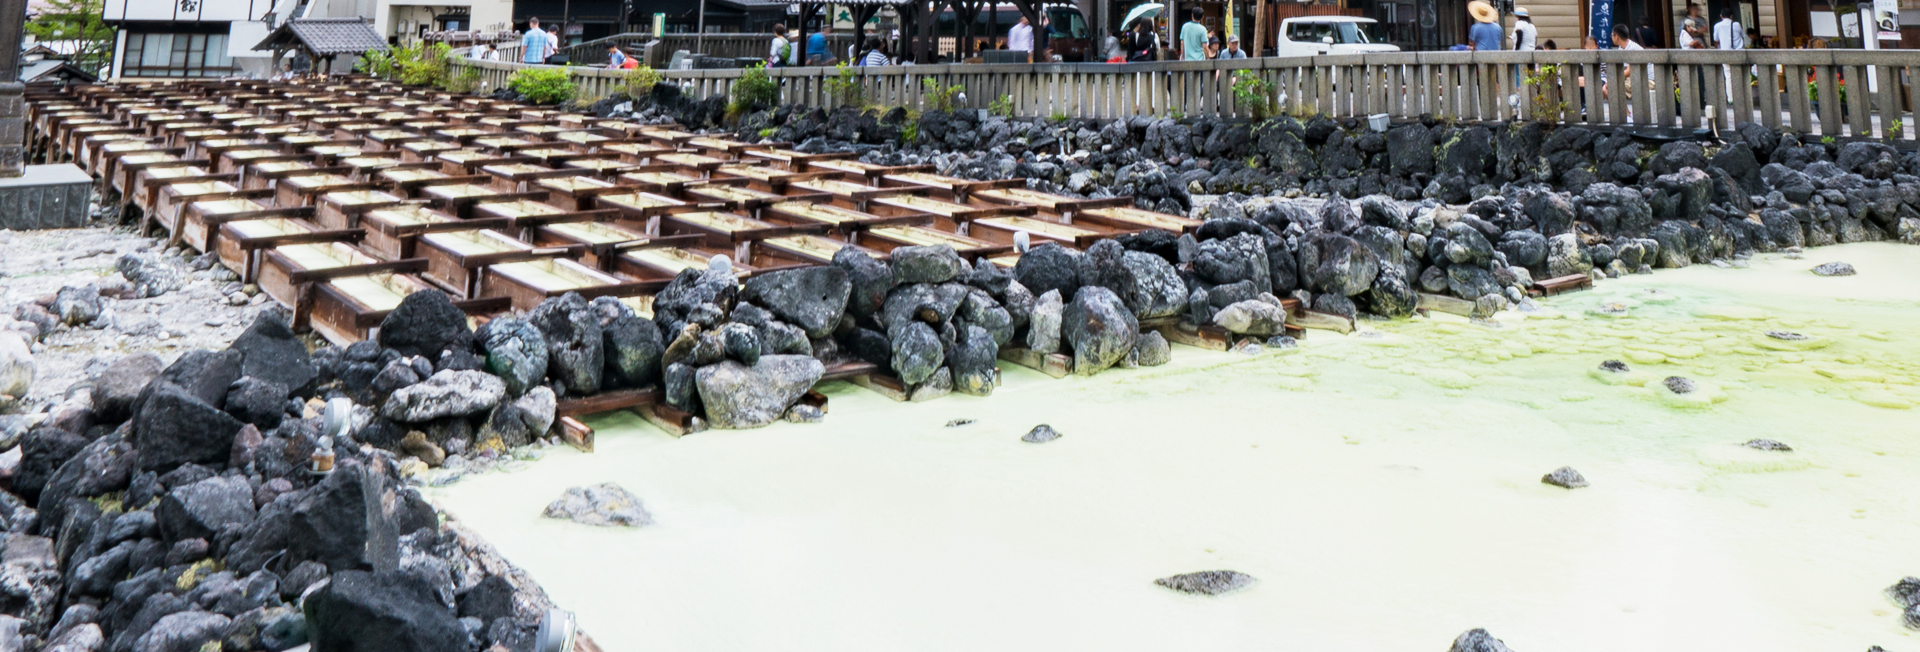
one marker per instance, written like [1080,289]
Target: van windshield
[1066,23]
[1346,33]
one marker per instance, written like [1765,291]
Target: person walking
[1193,37]
[782,49]
[1524,32]
[817,45]
[1020,37]
[1486,33]
[537,44]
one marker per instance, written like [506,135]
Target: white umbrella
[1147,10]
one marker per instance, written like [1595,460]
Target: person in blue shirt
[1485,33]
[537,44]
[817,45]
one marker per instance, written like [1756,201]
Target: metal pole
[700,39]
[13,103]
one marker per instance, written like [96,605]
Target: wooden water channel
[341,197]
[1841,93]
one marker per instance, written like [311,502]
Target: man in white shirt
[1020,37]
[777,54]
[1524,32]
[1728,34]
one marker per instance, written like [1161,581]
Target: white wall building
[215,38]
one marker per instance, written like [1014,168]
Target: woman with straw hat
[1485,33]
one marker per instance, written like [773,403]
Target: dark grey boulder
[1213,582]
[1048,267]
[1152,349]
[390,611]
[425,323]
[917,352]
[1337,264]
[257,401]
[516,352]
[633,349]
[981,310]
[927,264]
[1564,477]
[1478,640]
[973,359]
[1155,289]
[200,510]
[269,351]
[185,631]
[741,396]
[175,427]
[575,353]
[1040,434]
[42,451]
[1099,329]
[812,298]
[118,387]
[1834,269]
[869,280]
[205,374]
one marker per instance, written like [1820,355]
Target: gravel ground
[36,264]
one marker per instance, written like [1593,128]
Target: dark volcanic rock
[1099,329]
[1048,267]
[117,389]
[917,352]
[868,280]
[929,264]
[516,352]
[972,359]
[395,612]
[174,427]
[1337,264]
[257,401]
[1478,640]
[425,323]
[205,375]
[42,452]
[1565,477]
[812,298]
[575,356]
[633,349]
[741,396]
[200,510]
[1214,582]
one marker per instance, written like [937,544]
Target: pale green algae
[1384,487]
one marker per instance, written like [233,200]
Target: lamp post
[13,102]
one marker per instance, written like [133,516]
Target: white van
[1311,35]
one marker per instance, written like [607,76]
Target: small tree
[543,85]
[78,21]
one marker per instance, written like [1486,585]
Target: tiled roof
[324,36]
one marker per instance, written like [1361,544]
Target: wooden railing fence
[1842,93]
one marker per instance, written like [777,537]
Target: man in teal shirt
[1193,37]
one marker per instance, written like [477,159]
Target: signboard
[1602,22]
[1886,19]
[659,25]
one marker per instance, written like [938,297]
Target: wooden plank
[1205,336]
[674,421]
[576,434]
[1563,284]
[1053,364]
[1325,321]
[608,401]
[1444,303]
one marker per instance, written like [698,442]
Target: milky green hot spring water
[1384,488]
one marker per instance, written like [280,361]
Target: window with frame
[176,55]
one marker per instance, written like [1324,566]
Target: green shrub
[1253,94]
[845,88]
[1002,107]
[910,132]
[755,88]
[467,81]
[543,85]
[378,63]
[424,65]
[940,99]
[640,81]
